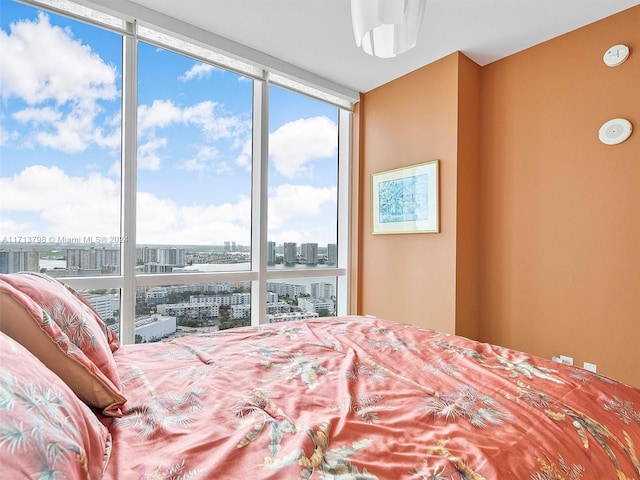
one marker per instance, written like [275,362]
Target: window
[300,298]
[170,311]
[303,179]
[179,216]
[194,164]
[60,139]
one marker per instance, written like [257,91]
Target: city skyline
[60,139]
[106,258]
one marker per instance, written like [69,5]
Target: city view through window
[63,174]
[170,310]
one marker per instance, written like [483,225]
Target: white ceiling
[316,35]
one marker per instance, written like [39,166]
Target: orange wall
[468,200]
[540,241]
[411,277]
[560,211]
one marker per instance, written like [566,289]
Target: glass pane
[171,311]
[303,172]
[194,165]
[107,303]
[60,139]
[301,298]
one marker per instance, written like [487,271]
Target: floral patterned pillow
[64,333]
[45,431]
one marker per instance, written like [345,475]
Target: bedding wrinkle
[138,373]
[198,353]
[335,398]
[366,399]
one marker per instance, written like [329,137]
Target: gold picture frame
[406,199]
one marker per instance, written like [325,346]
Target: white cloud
[214,125]
[70,206]
[302,235]
[161,113]
[8,227]
[6,136]
[116,169]
[67,206]
[203,160]
[198,71]
[286,202]
[37,115]
[110,139]
[41,63]
[148,157]
[204,115]
[244,158]
[70,135]
[163,221]
[164,113]
[296,143]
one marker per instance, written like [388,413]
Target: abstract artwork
[405,200]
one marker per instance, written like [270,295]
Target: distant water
[51,264]
[232,267]
[215,267]
[208,267]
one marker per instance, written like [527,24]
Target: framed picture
[406,200]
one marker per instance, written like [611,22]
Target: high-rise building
[164,259]
[315,305]
[171,256]
[106,305]
[4,261]
[156,295]
[332,254]
[12,261]
[286,289]
[147,255]
[309,251]
[155,327]
[271,253]
[290,253]
[323,291]
[101,259]
[220,287]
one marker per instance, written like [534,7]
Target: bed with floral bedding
[331,398]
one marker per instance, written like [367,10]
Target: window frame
[281,74]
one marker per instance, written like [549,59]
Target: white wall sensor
[615,131]
[616,55]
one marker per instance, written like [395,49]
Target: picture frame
[406,199]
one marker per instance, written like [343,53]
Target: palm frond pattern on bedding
[364,398]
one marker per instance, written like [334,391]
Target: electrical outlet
[589,366]
[566,360]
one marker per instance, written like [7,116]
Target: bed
[349,397]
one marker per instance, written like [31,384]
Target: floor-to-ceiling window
[303,203]
[60,185]
[167,187]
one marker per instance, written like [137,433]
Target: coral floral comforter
[364,398]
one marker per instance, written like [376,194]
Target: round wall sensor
[615,131]
[616,55]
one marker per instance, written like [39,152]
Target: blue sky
[61,91]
